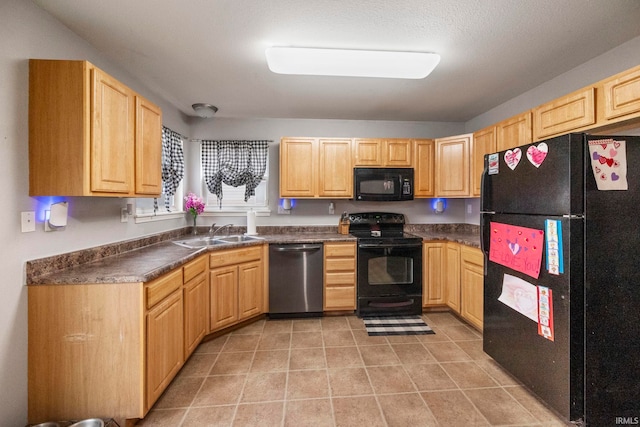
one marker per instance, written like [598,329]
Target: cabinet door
[452,276]
[196,312]
[335,171]
[568,113]
[621,96]
[398,153]
[433,292]
[368,152]
[484,142]
[452,166]
[424,163]
[148,148]
[472,286]
[514,132]
[249,289]
[223,294]
[298,173]
[112,135]
[165,345]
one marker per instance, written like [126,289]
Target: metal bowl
[47,424]
[91,422]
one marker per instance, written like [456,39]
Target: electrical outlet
[469,208]
[124,215]
[283,211]
[28,221]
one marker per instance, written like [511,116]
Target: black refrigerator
[560,230]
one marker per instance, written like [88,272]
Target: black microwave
[383,184]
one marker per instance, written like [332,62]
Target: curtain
[234,163]
[172,164]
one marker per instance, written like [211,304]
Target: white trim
[236,212]
[160,216]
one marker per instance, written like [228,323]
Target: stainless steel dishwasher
[295,280]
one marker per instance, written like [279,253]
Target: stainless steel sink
[202,242]
[198,242]
[238,238]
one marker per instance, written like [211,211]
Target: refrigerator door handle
[482,245]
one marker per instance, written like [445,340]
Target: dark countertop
[142,264]
[465,238]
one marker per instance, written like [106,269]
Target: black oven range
[389,265]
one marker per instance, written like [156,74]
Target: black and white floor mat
[396,325]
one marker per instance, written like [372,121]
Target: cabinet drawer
[340,264]
[234,256]
[340,278]
[340,250]
[340,298]
[195,267]
[162,287]
[472,255]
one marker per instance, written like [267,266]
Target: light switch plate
[28,221]
[124,215]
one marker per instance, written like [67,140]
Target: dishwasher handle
[297,248]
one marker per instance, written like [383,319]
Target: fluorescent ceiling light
[352,63]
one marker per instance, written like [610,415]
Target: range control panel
[363,218]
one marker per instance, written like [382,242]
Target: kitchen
[31,33]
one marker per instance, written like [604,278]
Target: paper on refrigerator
[520,295]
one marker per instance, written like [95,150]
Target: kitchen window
[233,198]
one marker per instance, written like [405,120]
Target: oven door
[389,269]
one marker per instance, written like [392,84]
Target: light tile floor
[329,372]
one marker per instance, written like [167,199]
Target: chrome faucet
[213,231]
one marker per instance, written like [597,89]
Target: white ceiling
[213,50]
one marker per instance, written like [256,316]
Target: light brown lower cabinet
[433,257]
[472,285]
[339,276]
[86,351]
[165,343]
[196,303]
[103,349]
[236,286]
[112,349]
[453,276]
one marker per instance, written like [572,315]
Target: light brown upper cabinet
[335,174]
[316,167]
[298,173]
[452,166]
[483,142]
[90,135]
[573,112]
[148,147]
[620,97]
[424,150]
[514,132]
[382,152]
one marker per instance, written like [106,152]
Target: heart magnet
[512,158]
[536,155]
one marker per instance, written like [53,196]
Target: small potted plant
[194,205]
